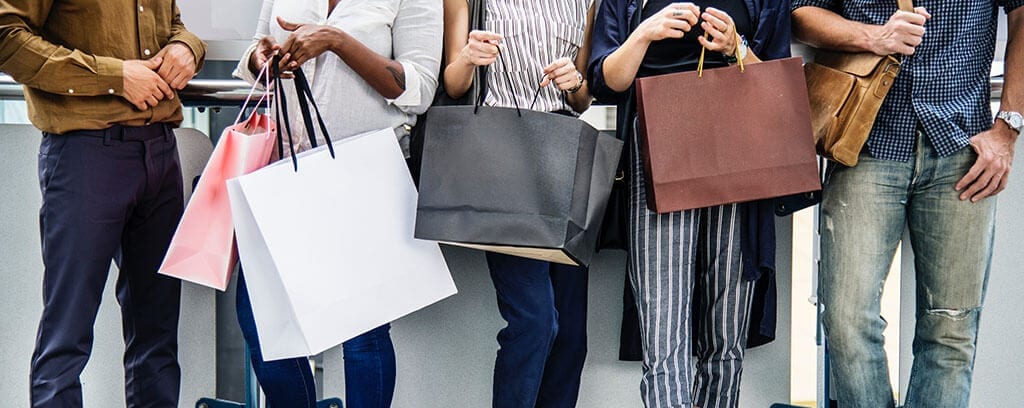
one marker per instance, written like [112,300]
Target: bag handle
[304,93]
[263,74]
[906,5]
[700,62]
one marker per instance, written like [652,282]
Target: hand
[673,21]
[901,34]
[179,65]
[266,49]
[481,49]
[563,73]
[142,86]
[306,42]
[720,26]
[991,171]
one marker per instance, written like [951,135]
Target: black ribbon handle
[305,95]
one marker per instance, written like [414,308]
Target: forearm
[384,75]
[824,28]
[621,66]
[1013,84]
[580,101]
[458,77]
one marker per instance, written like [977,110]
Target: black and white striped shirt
[536,33]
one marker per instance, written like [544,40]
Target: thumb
[287,26]
[153,63]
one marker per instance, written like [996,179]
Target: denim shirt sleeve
[825,4]
[774,33]
[611,28]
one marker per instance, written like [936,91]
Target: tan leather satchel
[846,90]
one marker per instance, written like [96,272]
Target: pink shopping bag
[203,248]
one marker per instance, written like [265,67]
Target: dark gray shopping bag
[519,182]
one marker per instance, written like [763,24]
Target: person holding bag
[693,272]
[537,52]
[370,65]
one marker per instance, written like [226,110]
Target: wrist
[339,41]
[579,84]
[871,39]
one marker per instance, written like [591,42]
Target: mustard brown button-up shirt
[69,55]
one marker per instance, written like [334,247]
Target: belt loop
[108,135]
[168,132]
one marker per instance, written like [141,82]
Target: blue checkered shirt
[944,86]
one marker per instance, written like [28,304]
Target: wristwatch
[740,52]
[1014,119]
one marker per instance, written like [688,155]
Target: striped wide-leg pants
[694,305]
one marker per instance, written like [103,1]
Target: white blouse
[408,31]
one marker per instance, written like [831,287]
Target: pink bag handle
[266,87]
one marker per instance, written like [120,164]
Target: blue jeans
[864,212]
[288,383]
[544,346]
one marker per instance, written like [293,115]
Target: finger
[285,60]
[922,11]
[286,25]
[153,63]
[1003,181]
[712,23]
[972,174]
[719,18]
[914,30]
[141,105]
[719,36]
[545,82]
[912,18]
[977,186]
[684,15]
[485,36]
[679,25]
[164,89]
[181,80]
[708,44]
[165,70]
[565,70]
[990,189]
[150,101]
[484,48]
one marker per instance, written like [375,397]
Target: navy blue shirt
[944,86]
[771,40]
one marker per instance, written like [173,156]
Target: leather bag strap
[906,5]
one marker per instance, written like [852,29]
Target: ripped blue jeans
[864,212]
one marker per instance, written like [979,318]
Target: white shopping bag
[328,250]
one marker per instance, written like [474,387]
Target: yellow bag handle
[700,63]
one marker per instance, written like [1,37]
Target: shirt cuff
[242,70]
[413,95]
[110,75]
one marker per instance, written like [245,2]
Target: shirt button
[71,91]
[146,51]
[141,9]
[110,91]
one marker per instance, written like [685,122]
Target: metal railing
[198,92]
[220,92]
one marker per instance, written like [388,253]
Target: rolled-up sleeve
[610,31]
[825,4]
[1010,5]
[417,41]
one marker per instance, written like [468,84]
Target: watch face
[1016,121]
